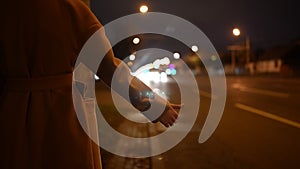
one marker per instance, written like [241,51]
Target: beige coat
[40,41]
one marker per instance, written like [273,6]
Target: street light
[195,48]
[144,9]
[136,41]
[236,32]
[176,55]
[233,48]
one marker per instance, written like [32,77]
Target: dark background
[268,23]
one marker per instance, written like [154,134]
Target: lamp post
[234,48]
[247,46]
[236,32]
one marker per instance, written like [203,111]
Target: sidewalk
[119,123]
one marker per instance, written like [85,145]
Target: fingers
[173,116]
[169,117]
[176,106]
[165,124]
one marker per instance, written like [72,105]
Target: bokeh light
[136,40]
[144,9]
[195,48]
[236,32]
[132,57]
[176,55]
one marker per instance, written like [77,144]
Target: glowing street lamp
[136,41]
[176,55]
[236,32]
[195,48]
[144,9]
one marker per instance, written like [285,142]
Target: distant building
[283,60]
[269,62]
[269,66]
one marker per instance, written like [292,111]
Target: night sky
[266,22]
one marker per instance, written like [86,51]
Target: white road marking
[267,115]
[207,94]
[265,92]
[261,91]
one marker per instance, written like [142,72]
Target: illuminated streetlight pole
[247,49]
[236,32]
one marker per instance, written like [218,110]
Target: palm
[170,115]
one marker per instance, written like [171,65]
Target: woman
[40,41]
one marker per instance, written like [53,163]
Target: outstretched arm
[111,65]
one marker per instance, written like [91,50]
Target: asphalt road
[260,128]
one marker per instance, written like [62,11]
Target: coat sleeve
[140,95]
[84,22]
[132,89]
